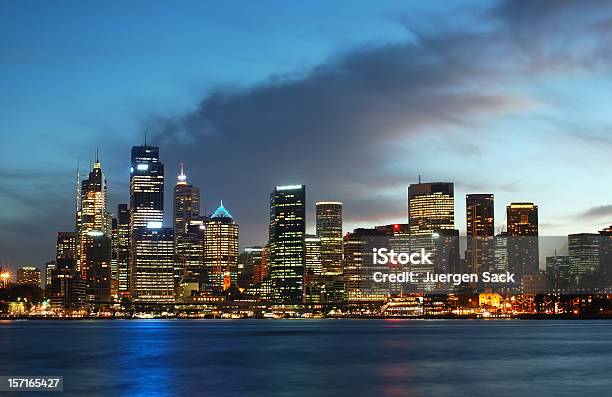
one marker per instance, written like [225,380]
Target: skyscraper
[153,265]
[186,203]
[98,254]
[522,219]
[248,260]
[221,250]
[66,245]
[480,230]
[190,251]
[359,265]
[583,251]
[92,215]
[121,247]
[49,268]
[605,254]
[187,243]
[29,275]
[146,187]
[313,255]
[329,231]
[522,243]
[312,268]
[431,206]
[287,251]
[152,245]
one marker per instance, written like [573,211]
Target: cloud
[338,126]
[602,211]
[352,128]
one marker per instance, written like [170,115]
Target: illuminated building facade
[286,239]
[66,289]
[431,206]
[49,268]
[329,230]
[98,253]
[261,269]
[153,265]
[480,230]
[186,203]
[29,275]
[66,245]
[313,252]
[359,265]
[522,229]
[187,243]
[146,187]
[91,215]
[501,251]
[121,250]
[221,250]
[190,249]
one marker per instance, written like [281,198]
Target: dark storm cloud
[341,126]
[599,212]
[350,128]
[334,127]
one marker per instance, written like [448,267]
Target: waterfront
[313,357]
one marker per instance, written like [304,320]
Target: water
[313,357]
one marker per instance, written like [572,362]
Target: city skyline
[534,127]
[168,209]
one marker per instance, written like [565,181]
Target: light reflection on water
[313,357]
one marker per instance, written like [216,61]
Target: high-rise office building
[152,245]
[146,188]
[329,231]
[190,251]
[66,245]
[522,229]
[188,237]
[431,206]
[221,250]
[286,239]
[92,215]
[49,268]
[153,265]
[583,251]
[114,258]
[480,231]
[121,248]
[605,254]
[98,254]
[313,252]
[522,219]
[247,261]
[261,269]
[29,275]
[558,271]
[359,265]
[312,268]
[186,204]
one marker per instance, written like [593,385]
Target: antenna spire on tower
[78,187]
[182,178]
